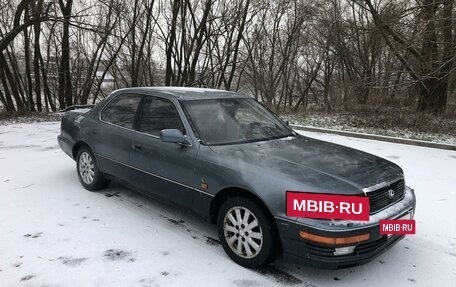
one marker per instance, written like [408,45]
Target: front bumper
[310,253]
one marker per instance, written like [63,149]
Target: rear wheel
[89,174]
[246,233]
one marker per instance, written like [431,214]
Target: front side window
[121,111]
[159,114]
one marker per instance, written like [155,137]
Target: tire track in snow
[141,203]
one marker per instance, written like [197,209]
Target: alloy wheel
[86,168]
[242,232]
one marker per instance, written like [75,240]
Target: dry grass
[27,117]
[378,117]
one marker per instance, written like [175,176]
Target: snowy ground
[55,233]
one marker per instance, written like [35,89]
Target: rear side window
[159,114]
[121,111]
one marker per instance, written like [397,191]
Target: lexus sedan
[227,158]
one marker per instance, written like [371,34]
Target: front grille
[380,199]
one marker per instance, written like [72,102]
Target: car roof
[184,93]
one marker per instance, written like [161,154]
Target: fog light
[344,250]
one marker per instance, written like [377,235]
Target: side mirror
[285,121]
[174,136]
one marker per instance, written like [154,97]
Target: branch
[385,29]
[10,36]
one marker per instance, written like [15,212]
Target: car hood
[321,166]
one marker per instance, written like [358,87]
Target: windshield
[233,120]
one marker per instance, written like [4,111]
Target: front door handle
[137,146]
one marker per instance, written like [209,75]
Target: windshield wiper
[252,140]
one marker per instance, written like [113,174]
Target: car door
[165,169]
[110,140]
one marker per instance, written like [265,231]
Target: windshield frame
[199,138]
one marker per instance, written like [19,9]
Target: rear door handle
[137,146]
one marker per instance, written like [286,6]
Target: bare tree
[431,64]
[289,54]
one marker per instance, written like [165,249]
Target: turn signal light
[333,240]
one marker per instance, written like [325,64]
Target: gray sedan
[227,158]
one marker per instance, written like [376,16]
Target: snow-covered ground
[55,233]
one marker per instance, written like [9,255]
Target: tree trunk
[65,88]
[6,100]
[435,65]
[47,92]
[170,43]
[28,73]
[36,63]
[434,98]
[199,42]
[236,47]
[5,71]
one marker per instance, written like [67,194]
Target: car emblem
[391,193]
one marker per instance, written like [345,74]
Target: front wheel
[246,233]
[89,174]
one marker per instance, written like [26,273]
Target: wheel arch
[77,146]
[230,192]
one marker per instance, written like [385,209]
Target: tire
[89,174]
[259,238]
